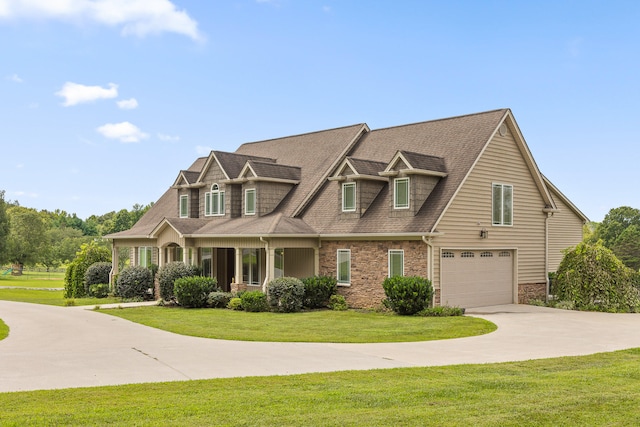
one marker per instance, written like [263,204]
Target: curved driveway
[59,347]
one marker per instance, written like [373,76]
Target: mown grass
[4,330]
[49,297]
[34,279]
[597,390]
[312,326]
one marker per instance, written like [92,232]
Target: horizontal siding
[502,162]
[565,231]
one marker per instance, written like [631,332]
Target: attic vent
[503,130]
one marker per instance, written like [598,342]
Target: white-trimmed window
[502,204]
[401,193]
[278,263]
[396,262]
[250,201]
[184,206]
[145,254]
[349,197]
[214,202]
[251,266]
[344,266]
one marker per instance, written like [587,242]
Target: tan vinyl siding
[565,230]
[470,211]
[169,235]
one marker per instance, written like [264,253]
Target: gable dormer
[360,183]
[188,188]
[412,178]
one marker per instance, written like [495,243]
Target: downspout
[427,241]
[267,261]
[546,255]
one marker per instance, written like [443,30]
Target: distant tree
[627,247]
[26,235]
[62,245]
[122,221]
[4,229]
[620,232]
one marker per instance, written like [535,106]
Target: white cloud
[125,132]
[202,150]
[165,137]
[74,93]
[135,17]
[128,104]
[14,77]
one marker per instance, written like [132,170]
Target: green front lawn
[597,390]
[33,279]
[43,296]
[313,326]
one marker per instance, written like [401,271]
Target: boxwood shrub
[254,301]
[169,273]
[193,291]
[134,282]
[285,294]
[97,273]
[407,295]
[219,299]
[318,290]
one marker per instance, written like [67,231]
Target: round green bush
[254,301]
[134,282]
[593,278]
[285,294]
[193,291]
[97,273]
[338,303]
[318,290]
[169,273]
[218,299]
[99,290]
[407,295]
[235,304]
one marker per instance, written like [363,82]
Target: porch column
[238,271]
[160,260]
[114,266]
[271,267]
[316,261]
[185,255]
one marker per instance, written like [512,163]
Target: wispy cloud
[128,104]
[14,77]
[202,150]
[135,17]
[124,132]
[165,137]
[74,93]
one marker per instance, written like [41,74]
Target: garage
[476,278]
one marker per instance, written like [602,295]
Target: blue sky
[102,102]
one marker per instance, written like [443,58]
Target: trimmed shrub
[97,273]
[407,295]
[254,301]
[285,294]
[89,254]
[99,290]
[218,299]
[193,291]
[441,311]
[235,304]
[593,278]
[318,290]
[134,282]
[169,273]
[338,303]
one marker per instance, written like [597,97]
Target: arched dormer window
[214,201]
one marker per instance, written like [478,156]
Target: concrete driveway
[60,347]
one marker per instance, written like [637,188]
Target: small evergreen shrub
[97,273]
[218,299]
[407,295]
[169,273]
[99,290]
[338,303]
[441,311]
[318,290]
[134,282]
[235,304]
[285,294]
[254,301]
[193,291]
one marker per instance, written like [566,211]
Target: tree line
[52,239]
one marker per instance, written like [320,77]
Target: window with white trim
[184,206]
[214,202]
[251,266]
[349,197]
[401,193]
[396,262]
[344,266]
[278,263]
[502,204]
[145,254]
[250,201]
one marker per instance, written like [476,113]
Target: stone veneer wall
[531,291]
[369,267]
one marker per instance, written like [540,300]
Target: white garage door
[473,278]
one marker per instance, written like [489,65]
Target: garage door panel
[476,278]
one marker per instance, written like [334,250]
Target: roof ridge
[442,119]
[301,134]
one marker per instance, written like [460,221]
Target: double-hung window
[502,202]
[250,201]
[144,256]
[349,197]
[251,266]
[344,266]
[401,193]
[396,262]
[214,201]
[184,206]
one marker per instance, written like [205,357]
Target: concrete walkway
[60,347]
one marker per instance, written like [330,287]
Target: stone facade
[369,267]
[531,291]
